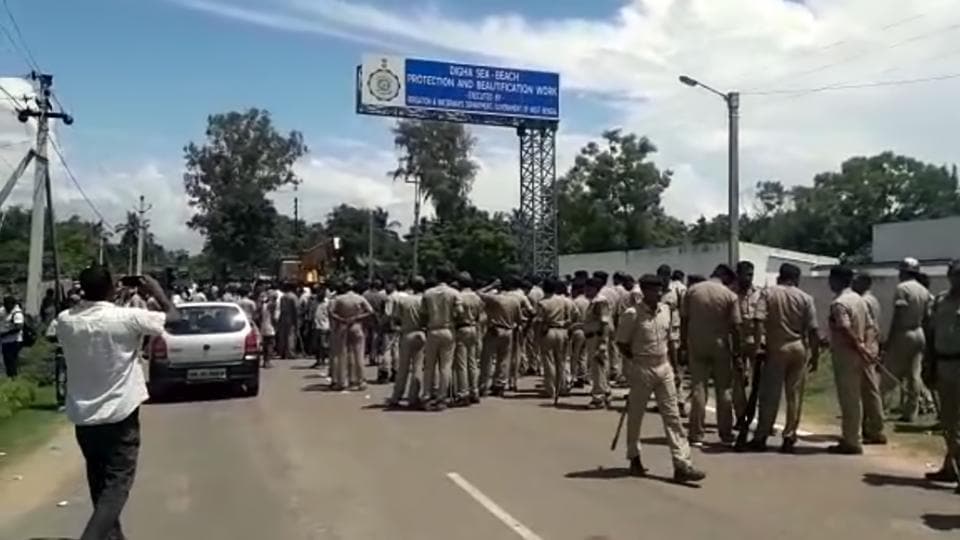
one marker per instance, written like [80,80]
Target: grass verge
[31,427]
[821,410]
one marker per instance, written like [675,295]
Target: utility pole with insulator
[43,113]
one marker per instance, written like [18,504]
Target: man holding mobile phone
[101,345]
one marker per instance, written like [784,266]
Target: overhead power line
[853,86]
[31,60]
[866,52]
[76,183]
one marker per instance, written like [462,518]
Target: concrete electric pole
[43,114]
[141,232]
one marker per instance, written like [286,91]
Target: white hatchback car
[211,343]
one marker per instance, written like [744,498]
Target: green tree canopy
[611,198]
[228,178]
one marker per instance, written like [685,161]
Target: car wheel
[251,387]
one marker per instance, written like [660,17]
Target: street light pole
[732,100]
[733,175]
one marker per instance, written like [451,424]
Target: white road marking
[492,507]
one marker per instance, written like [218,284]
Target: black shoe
[756,445]
[382,377]
[474,399]
[315,365]
[906,419]
[391,404]
[878,440]
[943,475]
[579,384]
[788,446]
[496,391]
[530,372]
[636,467]
[845,450]
[417,405]
[688,474]
[596,404]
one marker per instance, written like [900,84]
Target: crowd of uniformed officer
[450,343]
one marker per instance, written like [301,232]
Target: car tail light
[251,344]
[158,349]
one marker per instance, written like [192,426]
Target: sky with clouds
[141,77]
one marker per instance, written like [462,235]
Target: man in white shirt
[11,335]
[101,345]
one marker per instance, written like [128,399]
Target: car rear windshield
[207,320]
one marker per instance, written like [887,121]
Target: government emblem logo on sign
[383,83]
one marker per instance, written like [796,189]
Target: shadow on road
[942,522]
[190,394]
[926,429]
[616,473]
[523,395]
[567,406]
[880,480]
[51,538]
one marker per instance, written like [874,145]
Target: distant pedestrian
[905,341]
[643,336]
[870,395]
[943,371]
[11,335]
[710,333]
[848,344]
[101,344]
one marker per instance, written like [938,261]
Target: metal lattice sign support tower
[537,232]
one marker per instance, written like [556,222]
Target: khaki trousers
[657,379]
[948,385]
[532,354]
[871,401]
[466,367]
[553,347]
[903,358]
[438,360]
[711,361]
[785,369]
[350,345]
[410,366]
[578,353]
[848,371]
[599,362]
[495,361]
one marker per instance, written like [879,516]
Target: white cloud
[629,61]
[632,58]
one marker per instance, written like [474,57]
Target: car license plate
[207,374]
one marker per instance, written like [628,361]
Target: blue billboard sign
[428,85]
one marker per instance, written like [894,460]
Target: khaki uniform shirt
[945,323]
[535,295]
[580,304]
[873,322]
[350,305]
[671,299]
[439,306]
[406,311]
[748,301]
[787,314]
[712,311]
[599,316]
[470,309]
[911,301]
[554,312]
[848,310]
[647,332]
[504,310]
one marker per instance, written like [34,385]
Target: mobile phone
[131,281]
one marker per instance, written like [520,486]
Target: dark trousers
[110,451]
[11,358]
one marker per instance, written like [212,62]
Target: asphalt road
[299,462]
